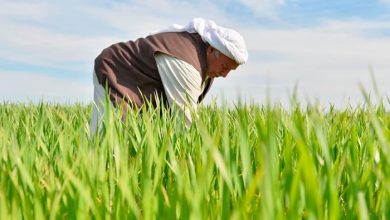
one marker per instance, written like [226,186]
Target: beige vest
[129,70]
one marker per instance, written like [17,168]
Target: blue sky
[326,48]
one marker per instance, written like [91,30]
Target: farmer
[176,65]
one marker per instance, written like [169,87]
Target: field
[243,162]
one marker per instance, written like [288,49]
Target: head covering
[227,41]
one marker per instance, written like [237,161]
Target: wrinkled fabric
[227,41]
[182,84]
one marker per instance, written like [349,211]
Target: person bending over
[177,65]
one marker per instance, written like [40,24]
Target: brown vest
[130,71]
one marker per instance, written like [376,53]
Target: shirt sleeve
[182,84]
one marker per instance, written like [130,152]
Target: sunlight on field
[245,162]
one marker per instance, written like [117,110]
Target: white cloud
[140,18]
[23,86]
[25,10]
[44,45]
[264,8]
[386,2]
[328,61]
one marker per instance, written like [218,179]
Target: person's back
[130,69]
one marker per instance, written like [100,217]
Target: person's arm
[182,84]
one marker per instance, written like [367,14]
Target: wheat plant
[242,162]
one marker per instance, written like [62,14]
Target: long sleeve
[182,84]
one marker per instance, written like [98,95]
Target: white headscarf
[227,41]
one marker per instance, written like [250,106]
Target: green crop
[242,162]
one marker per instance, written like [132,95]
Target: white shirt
[182,84]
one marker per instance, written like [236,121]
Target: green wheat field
[243,162]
